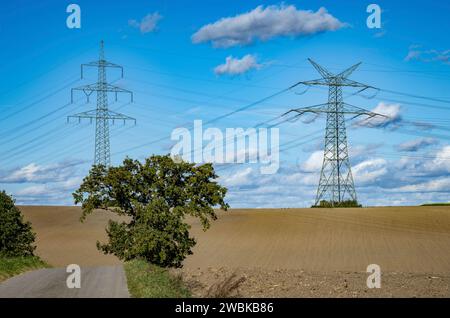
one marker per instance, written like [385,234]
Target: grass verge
[11,266]
[150,281]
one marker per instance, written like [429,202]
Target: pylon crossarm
[319,81]
[358,111]
[350,83]
[106,115]
[322,71]
[114,115]
[320,108]
[346,73]
[101,63]
[351,109]
[102,88]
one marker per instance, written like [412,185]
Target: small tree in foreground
[157,195]
[16,235]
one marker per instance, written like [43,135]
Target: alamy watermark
[236,145]
[374,279]
[374,19]
[73,20]
[74,279]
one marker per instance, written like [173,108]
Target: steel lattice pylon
[101,114]
[336,180]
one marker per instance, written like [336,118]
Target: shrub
[157,195]
[16,235]
[342,204]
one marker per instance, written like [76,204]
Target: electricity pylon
[101,114]
[336,180]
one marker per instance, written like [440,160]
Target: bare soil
[298,283]
[285,252]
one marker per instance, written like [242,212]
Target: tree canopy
[156,195]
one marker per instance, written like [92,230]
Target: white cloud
[359,153]
[264,23]
[148,23]
[437,185]
[239,178]
[441,162]
[48,193]
[406,181]
[369,171]
[412,55]
[242,155]
[40,189]
[313,163]
[236,66]
[40,173]
[391,111]
[417,54]
[417,144]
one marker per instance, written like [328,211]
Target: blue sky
[171,62]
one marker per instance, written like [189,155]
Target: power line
[20,110]
[416,96]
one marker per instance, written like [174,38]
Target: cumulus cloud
[417,144]
[391,111]
[238,179]
[236,66]
[406,181]
[313,163]
[147,24]
[437,185]
[370,170]
[416,53]
[441,161]
[35,190]
[48,193]
[360,153]
[264,23]
[40,173]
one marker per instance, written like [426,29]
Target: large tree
[16,235]
[156,195]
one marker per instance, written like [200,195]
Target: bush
[16,235]
[157,195]
[342,204]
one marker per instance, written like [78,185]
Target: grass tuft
[225,288]
[150,281]
[11,266]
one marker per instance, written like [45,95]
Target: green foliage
[157,195]
[342,204]
[150,281]
[11,266]
[16,235]
[437,204]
